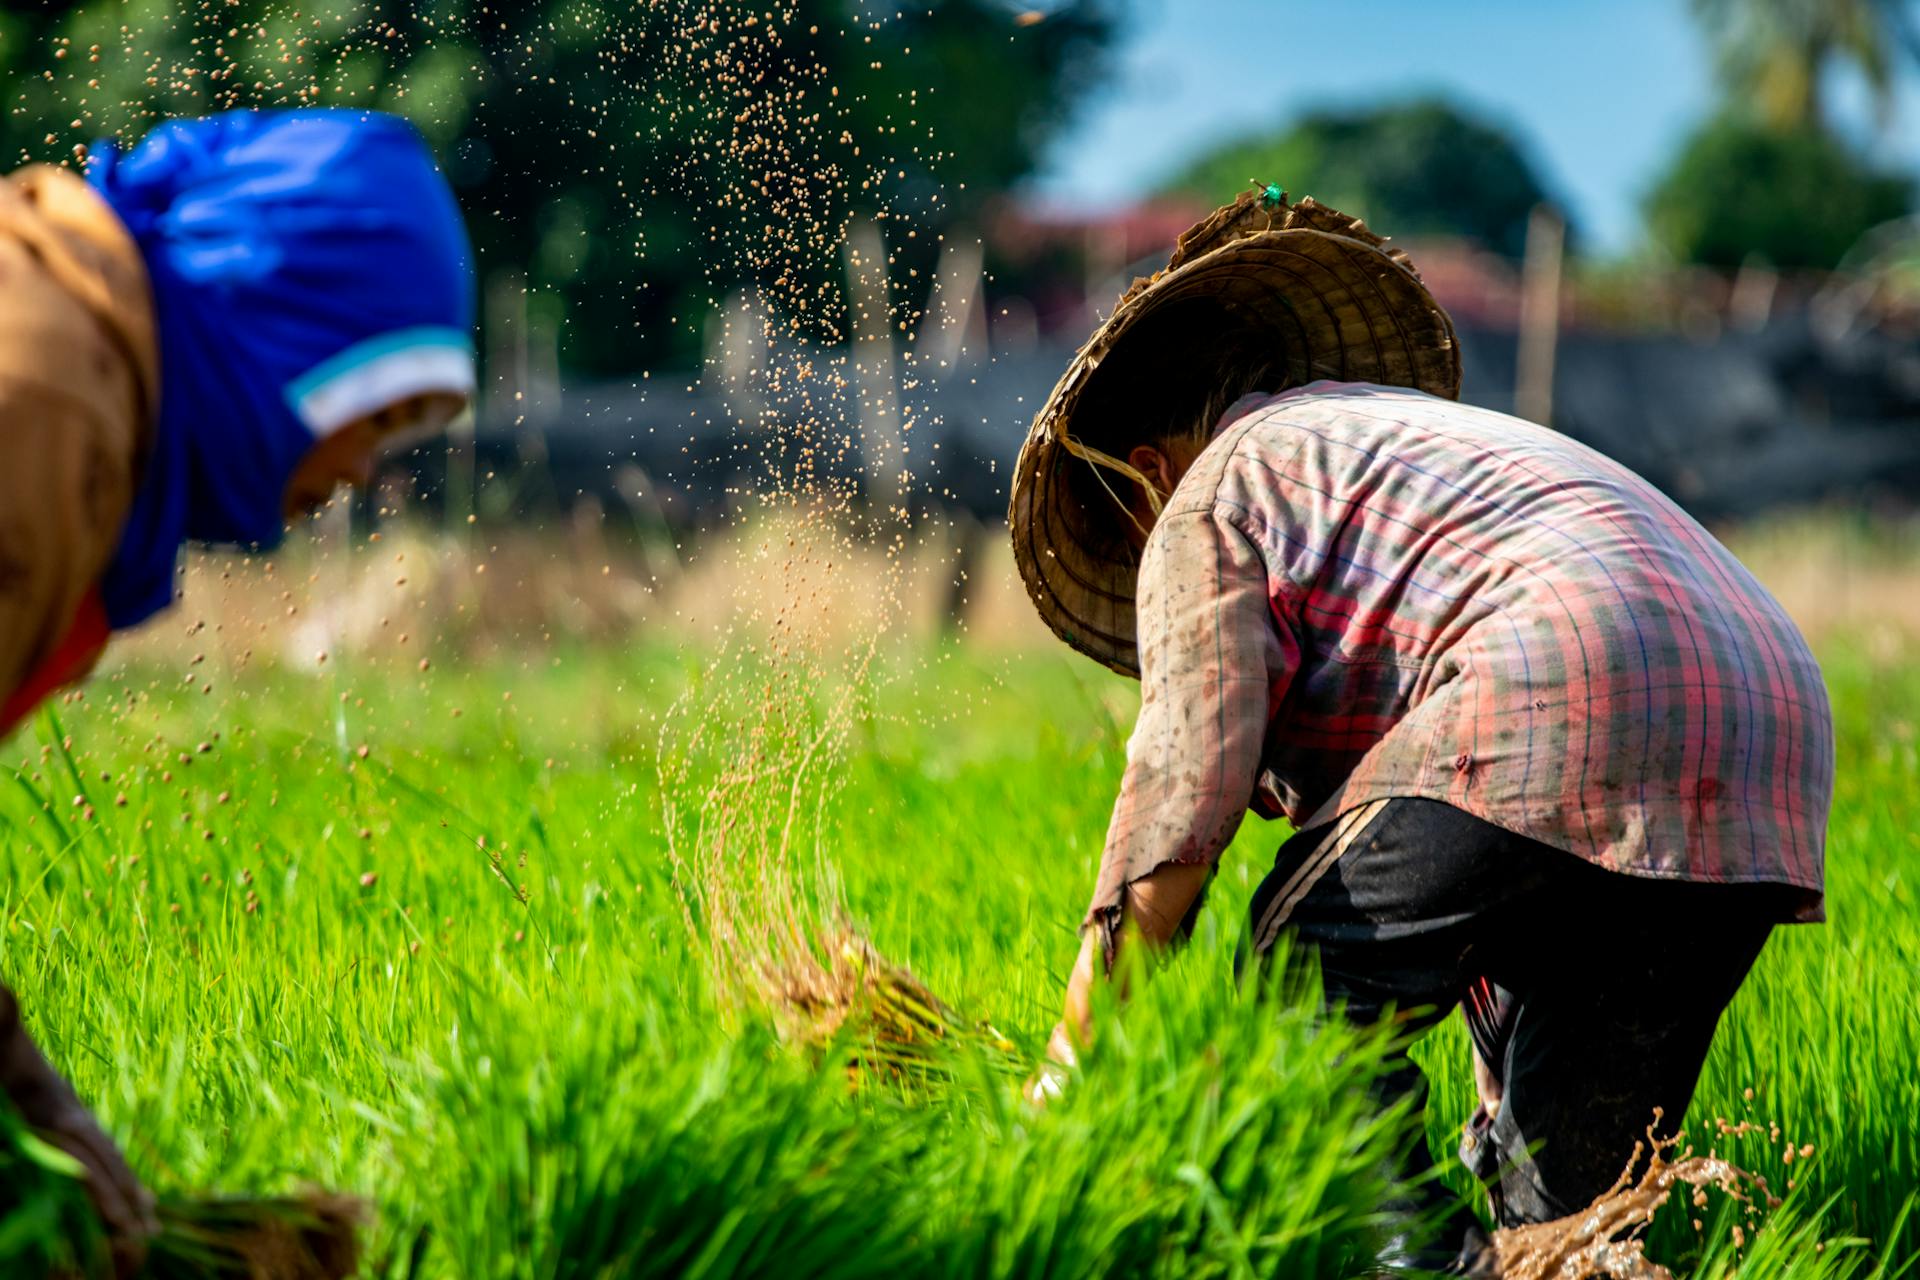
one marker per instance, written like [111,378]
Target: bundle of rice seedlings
[748,777]
[49,1227]
[849,994]
[311,1236]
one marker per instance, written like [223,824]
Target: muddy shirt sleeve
[1214,662]
[76,377]
[51,551]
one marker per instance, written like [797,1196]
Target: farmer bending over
[1551,754]
[228,321]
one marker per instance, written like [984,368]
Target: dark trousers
[1592,995]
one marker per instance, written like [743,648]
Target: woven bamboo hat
[1338,303]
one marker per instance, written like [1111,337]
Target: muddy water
[1606,1238]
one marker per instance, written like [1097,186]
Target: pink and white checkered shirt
[1360,592]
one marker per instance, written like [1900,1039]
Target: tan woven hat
[1338,302]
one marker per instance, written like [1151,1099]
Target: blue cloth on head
[308,267]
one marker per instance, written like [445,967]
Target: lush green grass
[281,961]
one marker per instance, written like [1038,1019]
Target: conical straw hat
[1339,303]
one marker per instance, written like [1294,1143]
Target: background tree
[636,162]
[1773,56]
[1412,169]
[1768,177]
[1795,199]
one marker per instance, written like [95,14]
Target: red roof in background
[1473,284]
[1119,235]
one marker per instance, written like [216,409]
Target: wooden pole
[963,314]
[877,407]
[1539,315]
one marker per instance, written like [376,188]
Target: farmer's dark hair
[1170,377]
[1174,374]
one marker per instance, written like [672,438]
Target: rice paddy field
[509,939]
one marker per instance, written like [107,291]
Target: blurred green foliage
[1793,198]
[1773,56]
[1768,178]
[632,160]
[1410,169]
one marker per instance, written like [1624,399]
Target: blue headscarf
[308,268]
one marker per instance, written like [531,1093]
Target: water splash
[1607,1238]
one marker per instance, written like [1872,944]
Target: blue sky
[1600,92]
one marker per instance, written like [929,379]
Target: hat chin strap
[1086,452]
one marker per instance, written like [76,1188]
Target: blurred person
[199,343]
[1551,754]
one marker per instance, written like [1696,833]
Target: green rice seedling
[453,978]
[46,1225]
[1796,1243]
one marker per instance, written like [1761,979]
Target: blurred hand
[347,455]
[1050,1080]
[48,1103]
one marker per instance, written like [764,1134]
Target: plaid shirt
[1360,592]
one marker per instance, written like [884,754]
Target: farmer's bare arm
[1213,663]
[1154,909]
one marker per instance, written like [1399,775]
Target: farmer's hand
[1071,1033]
[48,1103]
[1049,1081]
